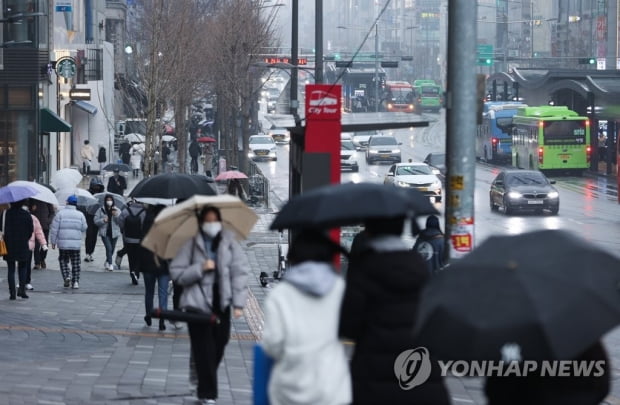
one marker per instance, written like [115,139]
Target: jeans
[149,291]
[109,244]
[21,274]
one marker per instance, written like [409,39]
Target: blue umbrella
[16,192]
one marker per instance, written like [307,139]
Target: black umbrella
[121,167]
[544,295]
[184,316]
[173,185]
[350,204]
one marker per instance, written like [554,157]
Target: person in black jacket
[430,245]
[18,227]
[123,151]
[384,281]
[117,183]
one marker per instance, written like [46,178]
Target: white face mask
[212,228]
[25,208]
[109,203]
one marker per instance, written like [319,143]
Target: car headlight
[395,150]
[372,151]
[436,184]
[250,154]
[402,184]
[514,195]
[436,171]
[553,194]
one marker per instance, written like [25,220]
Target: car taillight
[494,141]
[588,153]
[390,106]
[540,156]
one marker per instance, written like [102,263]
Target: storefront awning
[84,106]
[51,122]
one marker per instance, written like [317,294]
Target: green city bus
[550,138]
[427,96]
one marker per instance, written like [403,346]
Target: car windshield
[347,145]
[526,178]
[437,159]
[413,170]
[260,140]
[365,133]
[383,140]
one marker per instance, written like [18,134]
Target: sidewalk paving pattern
[91,346]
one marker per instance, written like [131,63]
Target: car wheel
[507,209]
[492,205]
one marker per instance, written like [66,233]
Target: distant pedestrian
[384,281]
[573,389]
[66,232]
[17,228]
[123,151]
[107,218]
[45,214]
[95,187]
[430,245]
[208,159]
[132,227]
[102,156]
[155,270]
[213,270]
[194,153]
[136,162]
[87,153]
[117,184]
[39,237]
[236,188]
[301,328]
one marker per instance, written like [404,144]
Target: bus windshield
[430,91]
[401,95]
[565,132]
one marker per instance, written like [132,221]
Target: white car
[280,135]
[262,147]
[415,175]
[348,154]
[360,139]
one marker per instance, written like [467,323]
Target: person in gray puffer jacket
[213,271]
[66,232]
[107,218]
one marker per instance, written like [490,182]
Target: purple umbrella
[16,192]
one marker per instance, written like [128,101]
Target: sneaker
[43,265]
[134,279]
[29,287]
[176,325]
[37,266]
[88,258]
[75,286]
[109,267]
[67,282]
[118,260]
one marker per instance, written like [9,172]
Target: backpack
[134,227]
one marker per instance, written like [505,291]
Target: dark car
[383,148]
[523,190]
[437,162]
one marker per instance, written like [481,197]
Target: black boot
[147,319]
[21,291]
[162,325]
[12,293]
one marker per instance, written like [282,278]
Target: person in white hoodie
[301,328]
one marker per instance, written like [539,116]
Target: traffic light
[587,61]
[485,61]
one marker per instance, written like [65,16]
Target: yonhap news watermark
[414,367]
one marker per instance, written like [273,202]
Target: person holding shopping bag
[213,270]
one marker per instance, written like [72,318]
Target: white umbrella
[156,201]
[177,224]
[66,178]
[85,198]
[43,193]
[168,138]
[134,137]
[140,148]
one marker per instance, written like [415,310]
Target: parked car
[415,175]
[360,139]
[348,154]
[437,162]
[280,135]
[383,148]
[262,147]
[530,190]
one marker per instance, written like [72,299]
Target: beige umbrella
[177,224]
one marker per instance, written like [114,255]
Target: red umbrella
[168,129]
[231,174]
[206,139]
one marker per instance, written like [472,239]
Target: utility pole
[376,67]
[294,105]
[318,42]
[461,119]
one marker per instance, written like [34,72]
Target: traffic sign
[484,55]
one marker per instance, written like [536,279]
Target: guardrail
[258,185]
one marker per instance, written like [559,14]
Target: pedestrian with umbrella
[117,184]
[430,245]
[384,281]
[200,235]
[301,325]
[17,228]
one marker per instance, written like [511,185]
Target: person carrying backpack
[132,228]
[430,245]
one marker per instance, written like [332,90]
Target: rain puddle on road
[600,187]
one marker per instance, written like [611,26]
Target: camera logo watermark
[412,367]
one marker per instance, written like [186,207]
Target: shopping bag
[262,370]
[3,251]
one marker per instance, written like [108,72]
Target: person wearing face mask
[17,227]
[213,271]
[108,219]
